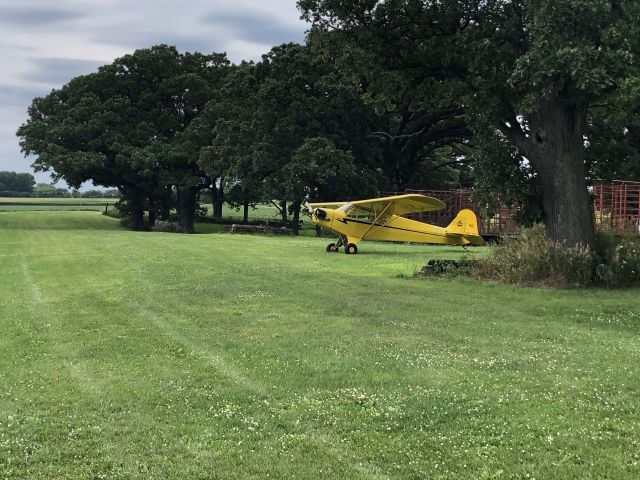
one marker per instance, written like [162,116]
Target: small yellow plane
[381,219]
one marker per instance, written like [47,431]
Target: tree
[123,127]
[317,166]
[187,94]
[301,96]
[16,182]
[419,128]
[45,190]
[529,69]
[93,127]
[613,138]
[230,153]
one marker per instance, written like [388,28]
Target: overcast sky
[44,43]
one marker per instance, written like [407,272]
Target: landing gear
[333,247]
[350,249]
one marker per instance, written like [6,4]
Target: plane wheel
[350,248]
[331,248]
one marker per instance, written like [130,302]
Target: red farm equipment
[500,223]
[617,207]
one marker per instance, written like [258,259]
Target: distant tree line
[14,184]
[525,101]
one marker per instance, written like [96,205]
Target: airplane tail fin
[466,225]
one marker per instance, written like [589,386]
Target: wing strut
[376,220]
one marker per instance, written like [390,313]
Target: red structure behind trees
[500,223]
[616,206]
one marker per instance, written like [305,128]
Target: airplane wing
[327,205]
[401,204]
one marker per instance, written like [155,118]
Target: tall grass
[530,258]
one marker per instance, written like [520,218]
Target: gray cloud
[255,28]
[19,97]
[42,42]
[35,17]
[133,39]
[13,46]
[58,71]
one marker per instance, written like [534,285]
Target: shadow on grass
[411,250]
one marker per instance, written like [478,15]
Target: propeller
[309,208]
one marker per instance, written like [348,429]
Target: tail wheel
[331,248]
[350,248]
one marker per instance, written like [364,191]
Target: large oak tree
[528,69]
[125,126]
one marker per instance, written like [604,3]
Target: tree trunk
[217,207]
[152,217]
[555,148]
[283,211]
[245,212]
[135,201]
[187,200]
[214,198]
[295,219]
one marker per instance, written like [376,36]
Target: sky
[44,44]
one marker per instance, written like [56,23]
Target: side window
[361,214]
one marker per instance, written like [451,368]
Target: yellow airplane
[381,219]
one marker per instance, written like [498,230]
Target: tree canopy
[529,72]
[16,182]
[529,100]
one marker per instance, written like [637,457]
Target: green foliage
[92,194]
[502,178]
[16,182]
[301,97]
[529,70]
[126,126]
[318,166]
[530,258]
[11,193]
[618,260]
[45,190]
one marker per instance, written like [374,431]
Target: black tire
[331,248]
[350,249]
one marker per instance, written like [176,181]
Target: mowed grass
[259,212]
[58,201]
[11,204]
[150,355]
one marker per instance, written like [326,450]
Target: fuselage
[391,229]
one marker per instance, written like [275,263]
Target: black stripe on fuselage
[347,220]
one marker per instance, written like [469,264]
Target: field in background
[151,355]
[9,204]
[261,212]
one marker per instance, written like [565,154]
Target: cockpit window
[360,214]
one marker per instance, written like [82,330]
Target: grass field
[134,355]
[10,204]
[260,211]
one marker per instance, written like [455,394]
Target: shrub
[618,261]
[12,194]
[530,258]
[163,226]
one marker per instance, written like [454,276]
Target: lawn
[128,355]
[10,204]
